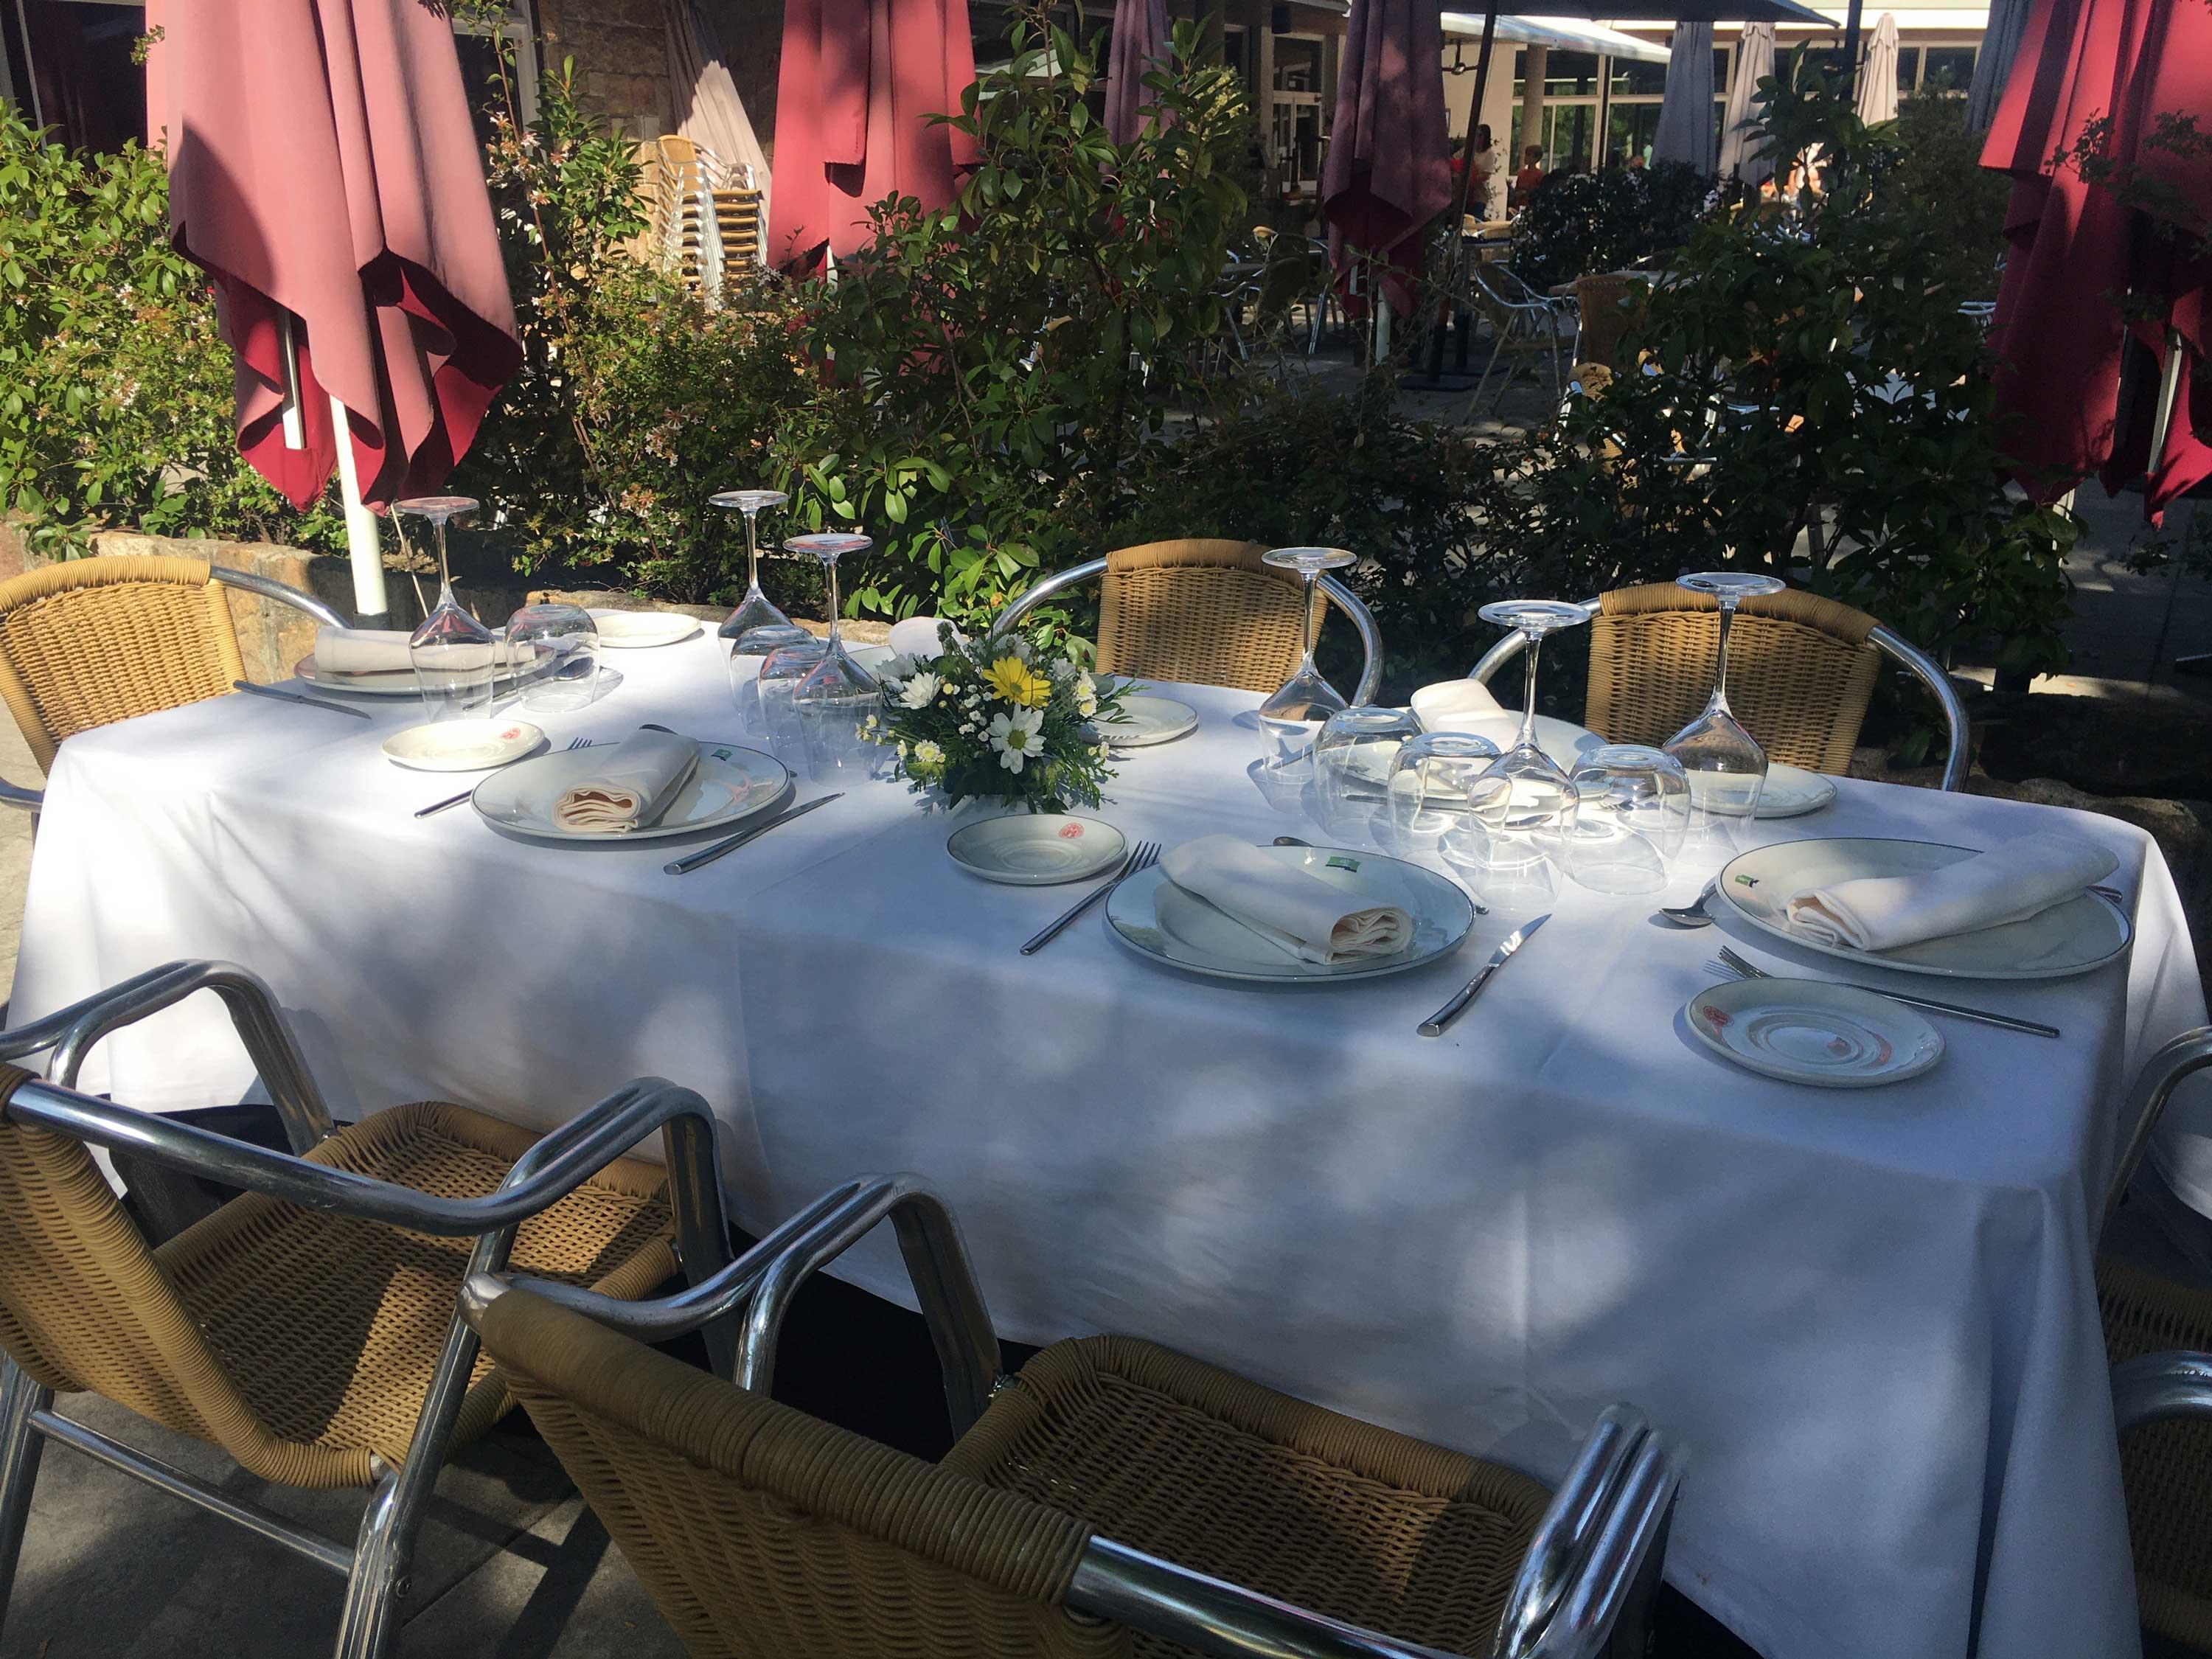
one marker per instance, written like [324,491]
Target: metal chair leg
[21,1445]
[377,1584]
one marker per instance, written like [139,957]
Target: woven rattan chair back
[761,1531]
[1204,612]
[96,641]
[1607,316]
[2165,1466]
[1800,670]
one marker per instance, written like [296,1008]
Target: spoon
[1480,908]
[1689,915]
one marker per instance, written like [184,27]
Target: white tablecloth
[1869,1316]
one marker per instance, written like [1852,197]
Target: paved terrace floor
[512,1566]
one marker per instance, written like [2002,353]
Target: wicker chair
[308,1326]
[1204,612]
[1604,302]
[94,640]
[2157,1332]
[1112,1499]
[1801,670]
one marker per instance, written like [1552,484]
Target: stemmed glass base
[1724,763]
[836,692]
[754,611]
[1294,713]
[455,657]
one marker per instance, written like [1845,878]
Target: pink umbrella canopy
[859,80]
[1138,44]
[1388,172]
[324,171]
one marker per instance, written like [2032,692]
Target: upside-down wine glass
[836,686]
[1537,799]
[1727,768]
[455,657]
[1304,700]
[754,611]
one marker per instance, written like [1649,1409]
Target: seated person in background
[1530,176]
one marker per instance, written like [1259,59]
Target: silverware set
[1735,967]
[1143,856]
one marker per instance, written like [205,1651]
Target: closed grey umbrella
[1686,113]
[1877,89]
[1993,64]
[1739,136]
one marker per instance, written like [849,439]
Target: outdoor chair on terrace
[1801,670]
[1204,612]
[1114,1498]
[1602,302]
[309,1326]
[1527,330]
[91,641]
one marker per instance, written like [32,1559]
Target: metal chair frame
[1532,324]
[1353,607]
[1585,1586]
[376,1568]
[1886,640]
[31,800]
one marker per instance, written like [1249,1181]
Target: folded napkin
[361,651]
[1306,916]
[2009,883]
[916,637]
[1442,706]
[630,785]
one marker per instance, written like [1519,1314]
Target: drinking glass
[1632,818]
[1434,782]
[455,657]
[553,651]
[836,688]
[754,611]
[1528,793]
[1514,875]
[1292,714]
[781,671]
[1353,753]
[1727,768]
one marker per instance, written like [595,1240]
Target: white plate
[871,657]
[2072,938]
[1790,792]
[1148,721]
[731,784]
[640,630]
[1035,850]
[392,682]
[1158,919]
[469,745]
[1807,1030]
[1563,740]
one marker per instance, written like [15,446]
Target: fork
[1147,853]
[1736,967]
[455,800]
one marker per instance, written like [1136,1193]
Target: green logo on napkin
[1338,861]
[721,754]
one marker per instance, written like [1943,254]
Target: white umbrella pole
[1381,326]
[368,598]
[2169,393]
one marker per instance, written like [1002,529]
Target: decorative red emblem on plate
[1714,1017]
[1071,832]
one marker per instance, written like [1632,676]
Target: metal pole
[1851,53]
[368,600]
[1456,232]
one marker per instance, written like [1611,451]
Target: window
[480,46]
[1908,67]
[1948,66]
[1637,80]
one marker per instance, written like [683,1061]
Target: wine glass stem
[1720,665]
[752,553]
[1527,739]
[1306,618]
[445,573]
[829,566]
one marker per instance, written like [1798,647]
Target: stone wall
[621,49]
[271,636]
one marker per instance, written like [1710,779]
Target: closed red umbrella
[324,171]
[860,80]
[2078,246]
[1138,44]
[1389,171]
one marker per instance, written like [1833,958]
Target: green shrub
[1580,222]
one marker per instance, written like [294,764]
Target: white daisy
[1086,695]
[1015,737]
[921,692]
[926,753]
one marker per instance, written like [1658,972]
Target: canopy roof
[1566,33]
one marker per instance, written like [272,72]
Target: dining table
[1869,1316]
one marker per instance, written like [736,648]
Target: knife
[691,861]
[1435,1024]
[252,690]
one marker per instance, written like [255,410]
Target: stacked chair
[706,225]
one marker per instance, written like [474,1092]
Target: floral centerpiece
[991,719]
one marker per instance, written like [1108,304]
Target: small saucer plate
[1808,1030]
[1036,849]
[468,745]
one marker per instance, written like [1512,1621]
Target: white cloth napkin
[1305,916]
[2005,884]
[1442,706]
[361,651]
[630,785]
[916,638]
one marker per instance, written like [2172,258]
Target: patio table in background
[1870,1315]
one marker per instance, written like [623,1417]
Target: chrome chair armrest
[14,794]
[43,1034]
[2155,1388]
[269,588]
[253,1011]
[2153,1085]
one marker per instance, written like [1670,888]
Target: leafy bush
[1580,222]
[115,392]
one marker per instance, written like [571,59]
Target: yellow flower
[1018,684]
